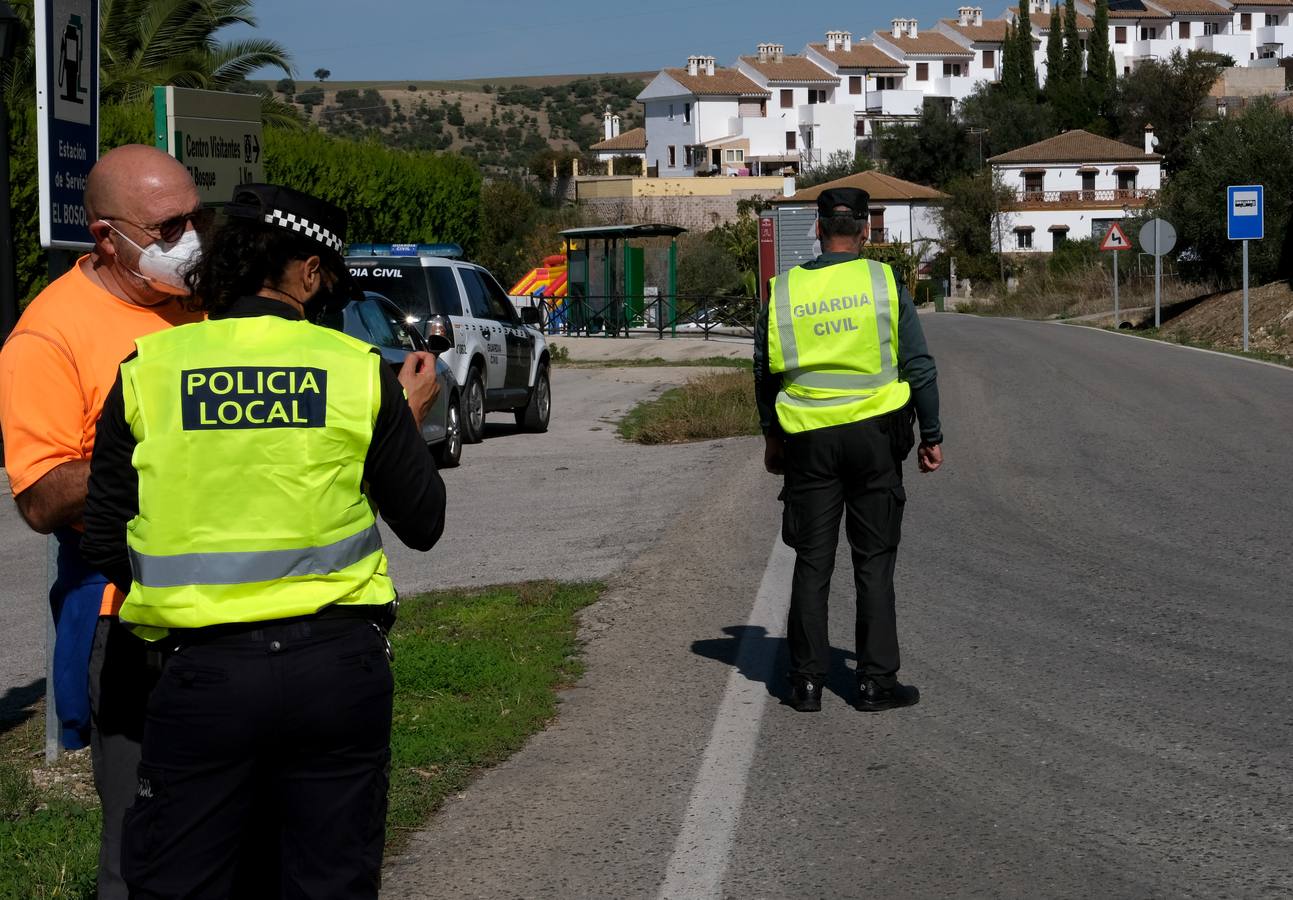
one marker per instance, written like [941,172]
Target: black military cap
[855,199]
[294,210]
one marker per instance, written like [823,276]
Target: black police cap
[855,200]
[293,210]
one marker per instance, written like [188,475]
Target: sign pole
[1115,292]
[1158,281]
[1245,296]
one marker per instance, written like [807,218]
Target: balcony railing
[1109,196]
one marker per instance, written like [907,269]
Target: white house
[694,115]
[1072,187]
[984,38]
[804,123]
[937,66]
[902,212]
[615,144]
[871,82]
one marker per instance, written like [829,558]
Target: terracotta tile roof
[1075,146]
[991,31]
[1191,7]
[1042,21]
[1134,9]
[796,69]
[723,83]
[864,55]
[633,139]
[1257,4]
[926,43]
[881,187]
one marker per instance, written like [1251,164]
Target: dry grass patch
[709,406]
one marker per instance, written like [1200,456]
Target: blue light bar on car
[451,251]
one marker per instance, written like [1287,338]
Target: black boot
[873,698]
[806,694]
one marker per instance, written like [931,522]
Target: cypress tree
[1024,37]
[1009,61]
[1072,43]
[1100,66]
[1055,71]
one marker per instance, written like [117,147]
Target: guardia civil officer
[232,495]
[840,363]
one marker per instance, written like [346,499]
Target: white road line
[700,855]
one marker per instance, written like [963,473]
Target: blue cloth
[75,598]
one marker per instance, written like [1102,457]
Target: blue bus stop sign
[1245,212]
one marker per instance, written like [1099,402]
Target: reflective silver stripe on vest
[252,566]
[812,403]
[883,318]
[785,324]
[840,381]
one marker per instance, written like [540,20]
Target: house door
[716,160]
[1088,185]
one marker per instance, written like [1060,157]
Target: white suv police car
[500,360]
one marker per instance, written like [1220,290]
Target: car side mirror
[439,335]
[531,315]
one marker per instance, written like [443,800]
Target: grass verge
[1158,334]
[476,673]
[708,362]
[714,405]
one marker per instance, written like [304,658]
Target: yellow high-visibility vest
[833,337]
[251,437]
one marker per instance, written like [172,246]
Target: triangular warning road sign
[1115,239]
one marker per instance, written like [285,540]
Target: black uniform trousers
[853,470]
[285,719]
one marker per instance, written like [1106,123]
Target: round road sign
[1157,236]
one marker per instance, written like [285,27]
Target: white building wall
[665,130]
[1082,224]
[1068,177]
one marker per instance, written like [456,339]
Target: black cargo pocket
[902,432]
[899,499]
[790,522]
[144,828]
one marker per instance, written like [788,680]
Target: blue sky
[402,39]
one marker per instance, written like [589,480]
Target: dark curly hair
[241,256]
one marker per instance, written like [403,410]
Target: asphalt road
[1094,599]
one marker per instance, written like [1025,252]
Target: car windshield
[402,281]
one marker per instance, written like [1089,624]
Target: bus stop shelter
[615,284]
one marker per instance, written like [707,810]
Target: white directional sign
[216,135]
[1115,239]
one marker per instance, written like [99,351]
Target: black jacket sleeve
[916,367]
[113,499]
[402,477]
[766,384]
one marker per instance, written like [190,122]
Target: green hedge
[391,195]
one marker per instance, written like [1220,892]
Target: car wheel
[473,412]
[535,414]
[449,451]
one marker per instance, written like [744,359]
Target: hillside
[1219,321]
[507,124]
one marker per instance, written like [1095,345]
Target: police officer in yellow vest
[232,494]
[840,363]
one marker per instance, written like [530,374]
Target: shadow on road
[765,659]
[19,704]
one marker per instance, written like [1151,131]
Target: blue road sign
[67,98]
[1245,212]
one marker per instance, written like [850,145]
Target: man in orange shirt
[56,368]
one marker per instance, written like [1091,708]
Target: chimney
[964,15]
[615,126]
[978,16]
[1150,141]
[606,124]
[778,52]
[913,28]
[848,41]
[709,65]
[830,40]
[693,65]
[899,26]
[765,52]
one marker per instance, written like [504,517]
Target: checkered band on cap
[305,227]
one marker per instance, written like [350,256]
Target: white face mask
[163,266]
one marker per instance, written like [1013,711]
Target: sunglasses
[173,228]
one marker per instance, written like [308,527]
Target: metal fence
[677,316]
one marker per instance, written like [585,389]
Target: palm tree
[150,42]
